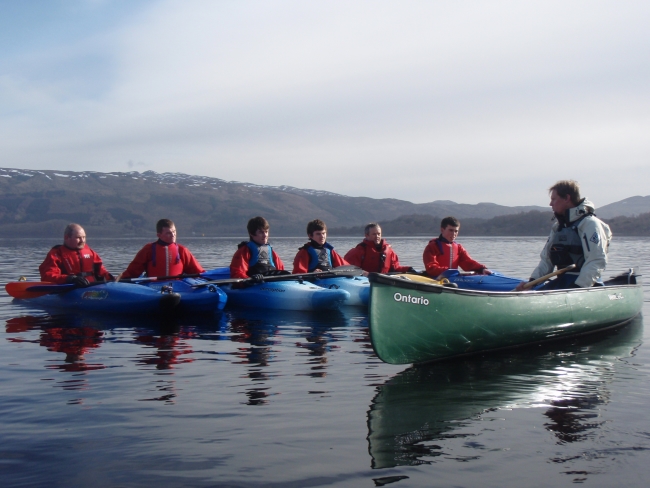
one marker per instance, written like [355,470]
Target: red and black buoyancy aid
[79,262]
[453,249]
[382,255]
[165,260]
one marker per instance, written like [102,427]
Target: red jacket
[441,255]
[241,259]
[302,260]
[171,260]
[369,258]
[61,262]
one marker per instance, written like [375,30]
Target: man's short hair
[257,223]
[453,221]
[567,187]
[370,226]
[315,225]
[162,223]
[70,228]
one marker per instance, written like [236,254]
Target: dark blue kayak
[494,282]
[194,299]
[130,297]
[106,297]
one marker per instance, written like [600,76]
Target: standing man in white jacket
[577,237]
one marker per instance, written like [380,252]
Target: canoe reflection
[414,412]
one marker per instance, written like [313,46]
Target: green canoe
[415,322]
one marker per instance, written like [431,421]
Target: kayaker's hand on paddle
[520,286]
[80,281]
[486,271]
[257,278]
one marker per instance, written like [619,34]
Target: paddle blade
[18,289]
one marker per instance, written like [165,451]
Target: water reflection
[63,334]
[414,412]
[263,331]
[164,343]
[259,338]
[571,418]
[169,349]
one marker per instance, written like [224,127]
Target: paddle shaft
[530,284]
[341,271]
[160,278]
[30,289]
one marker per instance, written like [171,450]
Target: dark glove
[257,278]
[276,272]
[412,270]
[80,281]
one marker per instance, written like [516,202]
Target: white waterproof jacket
[595,236]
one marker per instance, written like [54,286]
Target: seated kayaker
[164,257]
[256,258]
[317,254]
[73,262]
[374,254]
[445,253]
[577,237]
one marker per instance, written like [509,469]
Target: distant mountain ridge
[629,207]
[41,202]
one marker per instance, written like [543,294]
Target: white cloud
[467,101]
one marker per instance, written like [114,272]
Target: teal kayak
[357,286]
[357,290]
[285,295]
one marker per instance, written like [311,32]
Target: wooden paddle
[530,284]
[341,271]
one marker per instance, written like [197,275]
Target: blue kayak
[209,298]
[285,295]
[357,286]
[494,282]
[111,298]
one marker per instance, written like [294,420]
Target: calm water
[255,398]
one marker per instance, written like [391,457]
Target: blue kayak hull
[209,298]
[357,286]
[110,298]
[286,295]
[494,282]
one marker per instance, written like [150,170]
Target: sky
[469,101]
